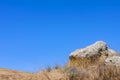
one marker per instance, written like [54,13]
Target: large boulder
[94,49]
[93,54]
[98,48]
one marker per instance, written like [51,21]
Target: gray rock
[94,49]
[115,60]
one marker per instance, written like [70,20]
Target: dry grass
[86,62]
[101,72]
[76,69]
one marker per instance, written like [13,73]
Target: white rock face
[91,50]
[115,60]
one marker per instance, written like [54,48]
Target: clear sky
[38,33]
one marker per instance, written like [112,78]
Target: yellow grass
[76,69]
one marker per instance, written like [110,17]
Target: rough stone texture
[115,60]
[97,48]
[97,53]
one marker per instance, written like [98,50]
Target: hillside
[6,74]
[94,62]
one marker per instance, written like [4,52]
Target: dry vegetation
[81,72]
[78,68]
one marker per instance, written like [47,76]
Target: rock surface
[115,60]
[98,48]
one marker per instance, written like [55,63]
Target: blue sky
[36,33]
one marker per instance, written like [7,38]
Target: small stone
[115,60]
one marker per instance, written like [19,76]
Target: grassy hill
[100,72]
[95,62]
